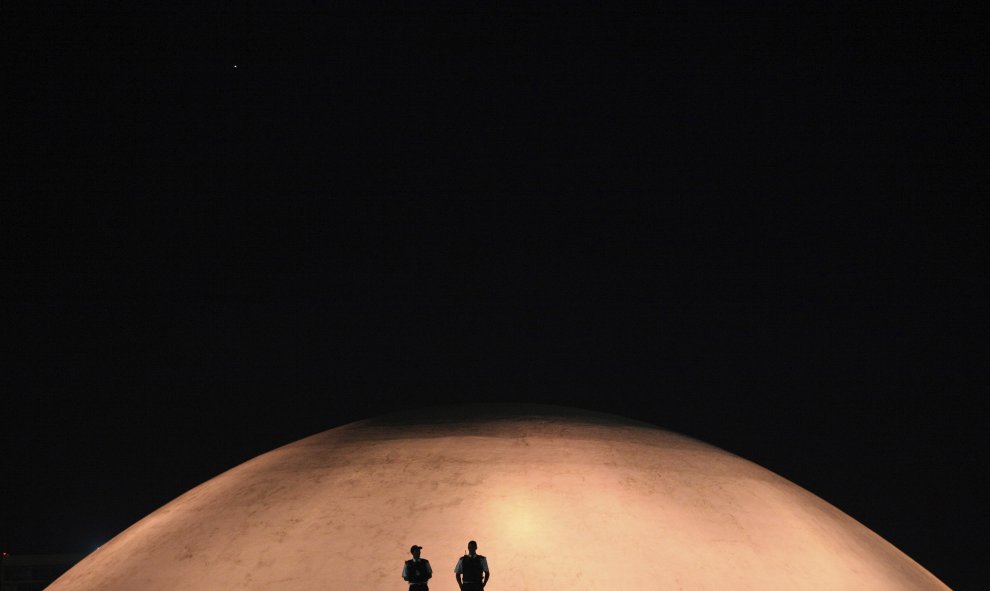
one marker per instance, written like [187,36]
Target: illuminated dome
[557,498]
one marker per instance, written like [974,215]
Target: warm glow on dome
[556,498]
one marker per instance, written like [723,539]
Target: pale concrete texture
[556,498]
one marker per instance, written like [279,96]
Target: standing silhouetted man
[472,572]
[417,571]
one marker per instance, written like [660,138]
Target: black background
[759,229]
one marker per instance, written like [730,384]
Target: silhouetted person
[417,571]
[472,572]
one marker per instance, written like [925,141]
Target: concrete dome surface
[557,498]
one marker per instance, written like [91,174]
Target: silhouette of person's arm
[457,574]
[405,572]
[429,570]
[485,573]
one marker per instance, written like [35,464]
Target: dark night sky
[753,228]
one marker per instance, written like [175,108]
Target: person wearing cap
[472,572]
[417,571]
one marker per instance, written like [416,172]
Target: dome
[555,497]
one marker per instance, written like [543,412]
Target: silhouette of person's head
[472,547]
[415,551]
